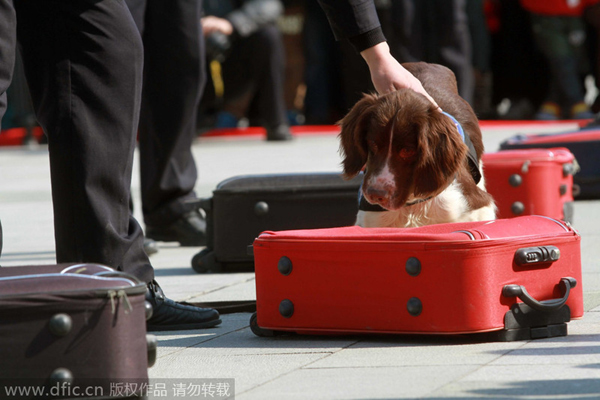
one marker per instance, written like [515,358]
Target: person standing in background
[559,33]
[243,39]
[357,22]
[435,31]
[174,77]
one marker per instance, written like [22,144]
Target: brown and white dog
[421,166]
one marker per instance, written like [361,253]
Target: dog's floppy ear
[353,141]
[442,152]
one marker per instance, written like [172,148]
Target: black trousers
[435,31]
[8,43]
[83,61]
[174,77]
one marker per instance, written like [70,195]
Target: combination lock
[537,255]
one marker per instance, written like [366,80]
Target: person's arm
[388,74]
[357,21]
[212,24]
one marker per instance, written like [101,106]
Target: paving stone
[248,371]
[393,353]
[568,350]
[526,382]
[409,382]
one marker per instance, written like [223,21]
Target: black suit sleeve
[355,20]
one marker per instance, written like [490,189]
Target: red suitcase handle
[545,305]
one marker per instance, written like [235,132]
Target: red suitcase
[531,182]
[439,279]
[71,330]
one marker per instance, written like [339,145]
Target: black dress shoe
[188,230]
[169,315]
[150,246]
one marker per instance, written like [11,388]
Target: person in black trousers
[83,62]
[243,37]
[357,22]
[435,31]
[174,77]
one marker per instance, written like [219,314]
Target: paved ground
[320,367]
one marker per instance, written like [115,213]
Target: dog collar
[459,127]
[412,203]
[472,154]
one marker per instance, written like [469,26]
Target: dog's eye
[406,152]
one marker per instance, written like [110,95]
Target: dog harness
[364,205]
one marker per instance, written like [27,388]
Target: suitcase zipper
[475,242]
[466,233]
[119,294]
[136,286]
[566,226]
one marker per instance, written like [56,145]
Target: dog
[422,166]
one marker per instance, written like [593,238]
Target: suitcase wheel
[152,345]
[205,262]
[257,330]
[61,376]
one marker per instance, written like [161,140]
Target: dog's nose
[376,194]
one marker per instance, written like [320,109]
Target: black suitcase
[68,330]
[585,146]
[244,206]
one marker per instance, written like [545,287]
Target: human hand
[388,74]
[211,24]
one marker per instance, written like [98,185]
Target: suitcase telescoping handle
[546,305]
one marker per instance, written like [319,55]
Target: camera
[217,46]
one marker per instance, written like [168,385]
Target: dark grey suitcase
[244,206]
[68,330]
